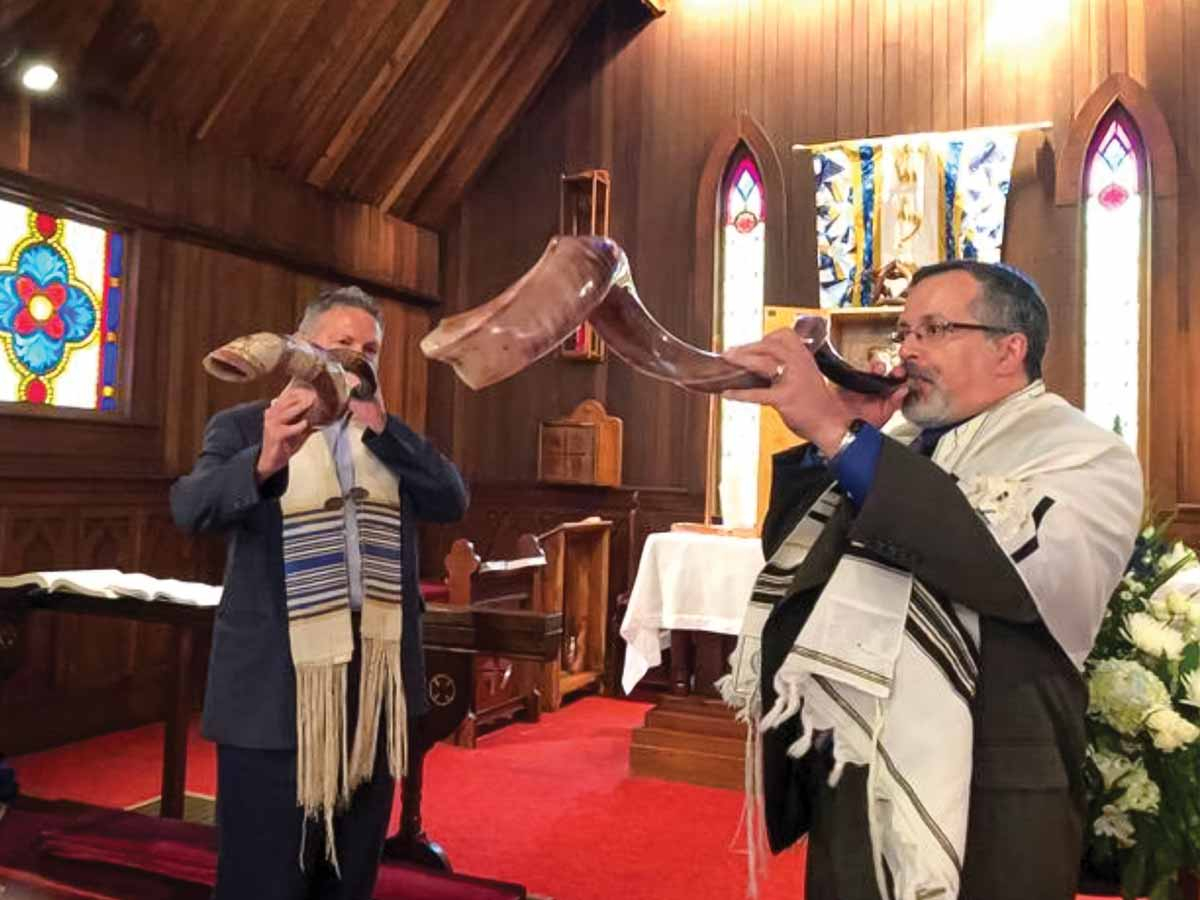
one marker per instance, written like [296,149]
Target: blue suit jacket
[250,699]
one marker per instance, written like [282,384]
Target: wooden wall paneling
[892,120]
[956,64]
[1162,112]
[1098,43]
[116,163]
[1118,50]
[1081,72]
[1135,44]
[1044,240]
[403,370]
[876,54]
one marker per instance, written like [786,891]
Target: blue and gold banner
[910,200]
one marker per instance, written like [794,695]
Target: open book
[115,583]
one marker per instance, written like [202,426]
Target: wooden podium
[575,583]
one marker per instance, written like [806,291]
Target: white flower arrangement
[1143,764]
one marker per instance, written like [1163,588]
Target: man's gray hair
[350,296]
[1007,299]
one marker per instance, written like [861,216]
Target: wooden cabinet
[576,584]
[583,210]
[582,448]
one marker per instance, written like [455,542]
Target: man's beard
[932,407]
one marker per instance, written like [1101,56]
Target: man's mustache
[913,371]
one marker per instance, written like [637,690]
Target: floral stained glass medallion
[61,289]
[1114,171]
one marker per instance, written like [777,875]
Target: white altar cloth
[687,581]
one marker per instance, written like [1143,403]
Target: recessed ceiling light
[39,77]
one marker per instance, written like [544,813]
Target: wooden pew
[500,592]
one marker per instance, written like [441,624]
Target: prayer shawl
[890,670]
[316,577]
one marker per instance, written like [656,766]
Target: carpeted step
[696,723]
[670,739]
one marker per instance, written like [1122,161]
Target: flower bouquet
[1143,763]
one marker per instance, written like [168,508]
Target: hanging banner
[906,202]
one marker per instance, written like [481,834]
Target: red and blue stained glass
[1115,171]
[60,310]
[744,206]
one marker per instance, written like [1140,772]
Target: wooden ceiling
[397,103]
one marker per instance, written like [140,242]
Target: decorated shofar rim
[580,279]
[255,356]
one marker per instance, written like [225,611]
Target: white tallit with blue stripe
[889,671]
[319,624]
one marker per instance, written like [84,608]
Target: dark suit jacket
[1030,700]
[251,695]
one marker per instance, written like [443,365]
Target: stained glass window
[1113,228]
[61,287]
[743,251]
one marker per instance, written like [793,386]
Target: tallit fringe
[381,690]
[883,814]
[753,816]
[321,748]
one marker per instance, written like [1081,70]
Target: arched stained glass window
[740,316]
[61,288]
[1114,233]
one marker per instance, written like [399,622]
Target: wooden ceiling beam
[523,83]
[369,103]
[239,125]
[248,64]
[310,80]
[454,111]
[157,77]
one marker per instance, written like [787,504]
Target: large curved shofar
[582,279]
[255,356]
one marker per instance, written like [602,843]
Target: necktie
[927,440]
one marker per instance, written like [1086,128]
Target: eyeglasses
[935,330]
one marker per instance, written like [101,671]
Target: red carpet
[549,805]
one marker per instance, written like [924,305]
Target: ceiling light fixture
[39,77]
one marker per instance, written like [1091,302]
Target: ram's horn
[582,279]
[255,356]
[529,318]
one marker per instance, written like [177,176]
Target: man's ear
[1013,350]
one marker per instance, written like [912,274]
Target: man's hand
[808,405]
[370,413]
[875,408]
[285,429]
